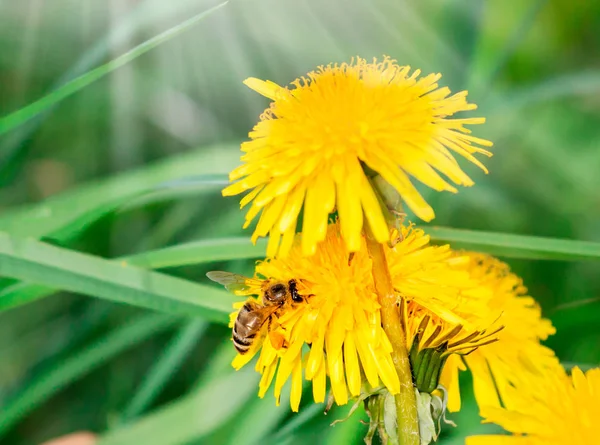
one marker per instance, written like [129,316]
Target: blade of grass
[508,245]
[505,245]
[24,114]
[178,188]
[80,364]
[191,417]
[166,365]
[198,252]
[140,14]
[62,215]
[60,268]
[516,246]
[158,193]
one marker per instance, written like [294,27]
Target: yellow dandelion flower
[553,409]
[495,366]
[312,144]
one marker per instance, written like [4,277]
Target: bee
[253,315]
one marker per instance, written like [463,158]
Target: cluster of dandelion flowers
[340,318]
[553,409]
[311,146]
[518,349]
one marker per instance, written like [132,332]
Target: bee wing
[232,281]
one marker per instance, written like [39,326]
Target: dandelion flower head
[554,409]
[518,349]
[311,145]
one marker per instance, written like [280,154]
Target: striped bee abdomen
[249,320]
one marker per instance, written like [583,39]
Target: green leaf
[60,268]
[516,246]
[191,417]
[80,364]
[24,114]
[66,214]
[164,369]
[197,252]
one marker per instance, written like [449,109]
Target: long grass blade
[224,249]
[70,212]
[60,268]
[516,246]
[198,252]
[24,114]
[141,13]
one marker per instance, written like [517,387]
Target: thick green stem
[406,403]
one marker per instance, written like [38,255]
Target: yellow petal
[335,365]
[449,379]
[483,382]
[296,391]
[320,201]
[352,368]
[265,87]
[266,379]
[319,384]
[349,212]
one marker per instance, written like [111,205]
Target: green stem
[406,403]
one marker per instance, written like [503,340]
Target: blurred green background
[140,155]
